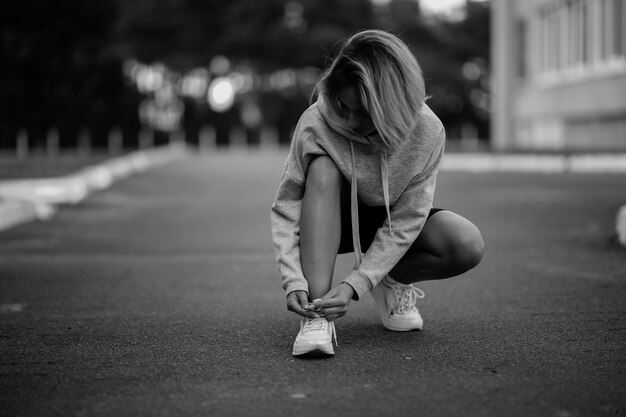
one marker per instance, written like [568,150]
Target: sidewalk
[529,162]
[27,199]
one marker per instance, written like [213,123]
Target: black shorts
[371,218]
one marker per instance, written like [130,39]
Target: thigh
[371,218]
[446,232]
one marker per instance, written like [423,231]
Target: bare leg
[320,225]
[448,245]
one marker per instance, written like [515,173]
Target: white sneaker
[315,337]
[398,305]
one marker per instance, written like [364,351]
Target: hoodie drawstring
[384,173]
[354,205]
[354,211]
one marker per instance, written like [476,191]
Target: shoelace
[320,324]
[407,296]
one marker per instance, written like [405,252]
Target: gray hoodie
[401,179]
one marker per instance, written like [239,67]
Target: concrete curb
[485,162]
[22,201]
[15,212]
[620,225]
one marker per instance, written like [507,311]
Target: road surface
[160,297]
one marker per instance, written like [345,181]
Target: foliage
[61,62]
[187,33]
[56,64]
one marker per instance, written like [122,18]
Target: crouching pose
[360,177]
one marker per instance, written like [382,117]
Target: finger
[293,305]
[295,298]
[305,313]
[333,310]
[303,299]
[310,314]
[330,302]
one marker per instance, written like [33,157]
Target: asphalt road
[160,297]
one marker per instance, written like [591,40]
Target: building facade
[559,75]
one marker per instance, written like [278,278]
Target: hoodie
[402,179]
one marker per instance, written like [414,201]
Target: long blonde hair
[388,78]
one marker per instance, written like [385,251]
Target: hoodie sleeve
[285,212]
[408,216]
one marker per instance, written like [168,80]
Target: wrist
[349,290]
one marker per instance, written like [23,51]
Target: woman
[360,175]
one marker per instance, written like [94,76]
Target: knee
[467,251]
[323,175]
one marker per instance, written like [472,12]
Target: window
[522,49]
[619,29]
[614,32]
[579,36]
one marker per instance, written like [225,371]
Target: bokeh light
[221,95]
[195,83]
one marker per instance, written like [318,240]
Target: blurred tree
[467,43]
[444,48]
[269,34]
[57,67]
[60,62]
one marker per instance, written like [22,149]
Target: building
[559,75]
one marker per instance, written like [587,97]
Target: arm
[285,222]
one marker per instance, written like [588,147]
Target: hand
[335,303]
[298,302]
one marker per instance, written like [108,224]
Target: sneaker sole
[393,328]
[313,352]
[401,329]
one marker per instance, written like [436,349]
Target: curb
[15,212]
[485,162]
[620,225]
[22,201]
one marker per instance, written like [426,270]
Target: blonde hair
[387,77]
